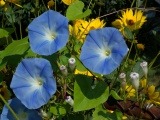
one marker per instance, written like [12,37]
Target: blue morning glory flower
[48,33]
[21,111]
[103,50]
[33,82]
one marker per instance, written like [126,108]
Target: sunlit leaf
[85,97]
[75,11]
[101,113]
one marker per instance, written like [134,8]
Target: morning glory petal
[33,82]
[21,111]
[103,50]
[48,33]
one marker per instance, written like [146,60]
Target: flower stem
[150,65]
[14,114]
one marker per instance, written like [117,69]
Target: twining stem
[14,114]
[128,55]
[89,4]
[133,3]
[150,65]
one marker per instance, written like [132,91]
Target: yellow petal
[140,46]
[83,72]
[117,23]
[154,95]
[68,2]
[151,89]
[143,83]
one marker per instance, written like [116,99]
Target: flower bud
[63,70]
[42,113]
[123,80]
[148,106]
[72,63]
[135,80]
[69,100]
[144,66]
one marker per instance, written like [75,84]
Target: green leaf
[101,113]
[79,65]
[3,33]
[63,60]
[76,117]
[10,14]
[85,97]
[128,33]
[59,109]
[115,95]
[75,11]
[17,47]
[77,46]
[53,60]
[3,65]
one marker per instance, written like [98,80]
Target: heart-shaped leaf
[102,114]
[75,11]
[85,97]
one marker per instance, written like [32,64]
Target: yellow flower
[80,28]
[140,46]
[124,117]
[133,20]
[2,3]
[130,91]
[117,23]
[143,83]
[83,72]
[75,32]
[91,25]
[68,2]
[153,97]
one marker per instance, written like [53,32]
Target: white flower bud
[42,113]
[148,106]
[144,66]
[63,70]
[123,80]
[135,80]
[72,63]
[69,100]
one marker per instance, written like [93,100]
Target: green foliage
[86,97]
[115,95]
[59,109]
[17,47]
[128,33]
[101,113]
[3,33]
[74,11]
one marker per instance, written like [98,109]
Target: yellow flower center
[108,52]
[40,82]
[53,36]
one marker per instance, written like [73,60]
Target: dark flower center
[130,22]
